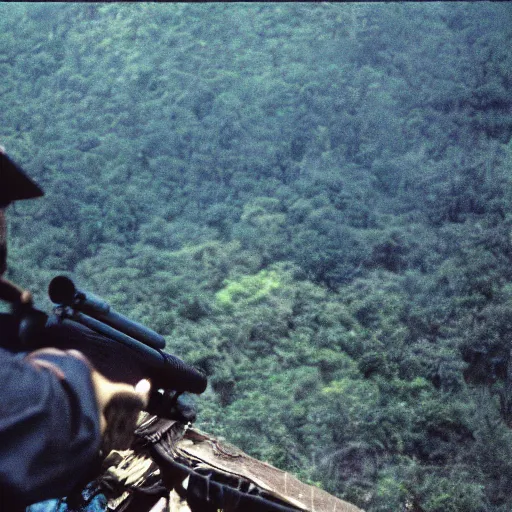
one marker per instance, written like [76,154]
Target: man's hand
[119,404]
[108,392]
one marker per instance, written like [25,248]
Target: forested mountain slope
[311,201]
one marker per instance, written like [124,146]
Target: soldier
[52,402]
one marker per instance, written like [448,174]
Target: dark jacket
[49,428]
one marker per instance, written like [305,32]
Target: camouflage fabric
[174,467]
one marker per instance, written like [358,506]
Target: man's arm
[49,429]
[51,424]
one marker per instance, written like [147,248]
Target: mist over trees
[310,201]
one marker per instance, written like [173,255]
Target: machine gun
[119,348]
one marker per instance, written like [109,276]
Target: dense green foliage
[312,202]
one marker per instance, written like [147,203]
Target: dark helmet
[14,183]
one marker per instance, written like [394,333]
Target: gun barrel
[63,291]
[167,371]
[132,328]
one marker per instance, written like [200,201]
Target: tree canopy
[310,201]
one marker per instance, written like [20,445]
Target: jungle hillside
[312,202]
